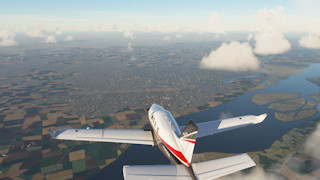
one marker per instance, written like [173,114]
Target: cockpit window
[174,124]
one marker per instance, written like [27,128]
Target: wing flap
[132,136]
[159,172]
[203,170]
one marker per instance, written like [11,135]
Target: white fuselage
[167,130]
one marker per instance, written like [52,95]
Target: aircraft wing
[218,126]
[132,136]
[203,170]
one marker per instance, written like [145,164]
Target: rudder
[187,140]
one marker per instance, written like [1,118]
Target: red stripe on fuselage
[175,152]
[190,141]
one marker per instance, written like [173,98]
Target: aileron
[132,136]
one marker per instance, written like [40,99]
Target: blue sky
[143,15]
[153,7]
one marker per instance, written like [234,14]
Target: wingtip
[52,133]
[262,117]
[249,159]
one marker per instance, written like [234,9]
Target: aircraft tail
[187,140]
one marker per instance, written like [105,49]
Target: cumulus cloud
[128,34]
[113,27]
[7,38]
[58,31]
[269,39]
[214,25]
[167,38]
[270,20]
[129,48]
[234,56]
[271,43]
[178,35]
[311,41]
[51,39]
[250,37]
[68,38]
[312,144]
[37,32]
[225,115]
[108,28]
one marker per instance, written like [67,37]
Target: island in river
[315,80]
[288,106]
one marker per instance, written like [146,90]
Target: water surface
[253,138]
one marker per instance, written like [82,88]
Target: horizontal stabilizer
[132,136]
[202,170]
[223,166]
[157,172]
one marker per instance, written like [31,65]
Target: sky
[146,16]
[266,22]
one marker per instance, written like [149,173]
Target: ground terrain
[107,88]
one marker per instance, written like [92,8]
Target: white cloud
[58,31]
[179,35]
[107,28]
[68,38]
[113,27]
[270,20]
[271,43]
[7,38]
[249,37]
[37,32]
[51,39]
[167,38]
[214,25]
[128,34]
[269,39]
[129,48]
[311,41]
[312,144]
[225,115]
[234,56]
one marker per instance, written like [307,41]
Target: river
[252,138]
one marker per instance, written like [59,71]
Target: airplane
[176,142]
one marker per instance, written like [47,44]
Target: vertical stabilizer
[187,140]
